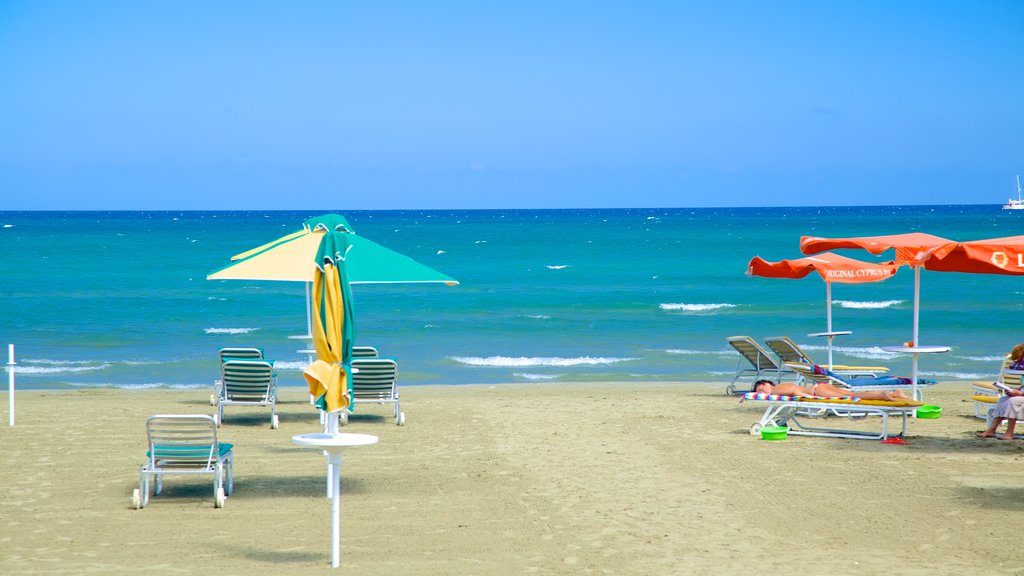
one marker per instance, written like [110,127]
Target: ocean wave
[538,316]
[557,267]
[983,358]
[695,307]
[528,376]
[229,330]
[869,305]
[22,369]
[869,353]
[957,375]
[290,365]
[700,352]
[48,362]
[522,362]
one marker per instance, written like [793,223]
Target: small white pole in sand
[10,380]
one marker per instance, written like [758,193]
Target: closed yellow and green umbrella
[333,329]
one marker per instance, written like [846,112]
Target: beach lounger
[786,411]
[375,380]
[986,395]
[788,351]
[755,363]
[364,352]
[821,374]
[234,353]
[185,444]
[248,383]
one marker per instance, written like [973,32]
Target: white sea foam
[700,352]
[983,358]
[24,369]
[290,365]
[538,316]
[523,362]
[56,362]
[695,307]
[441,252]
[557,267]
[956,375]
[8,225]
[528,376]
[229,330]
[869,353]
[869,305]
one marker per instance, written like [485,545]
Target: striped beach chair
[248,383]
[229,354]
[375,380]
[184,444]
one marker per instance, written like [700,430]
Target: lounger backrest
[753,352]
[1010,377]
[247,379]
[374,378]
[364,352]
[244,353]
[183,440]
[787,350]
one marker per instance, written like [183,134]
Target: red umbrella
[832,268]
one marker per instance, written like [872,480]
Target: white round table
[914,351]
[333,444]
[830,335]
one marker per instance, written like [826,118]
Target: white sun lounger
[788,351]
[754,364]
[820,374]
[184,444]
[986,395]
[787,410]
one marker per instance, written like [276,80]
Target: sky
[339,105]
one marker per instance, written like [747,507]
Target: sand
[511,479]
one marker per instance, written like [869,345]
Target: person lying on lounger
[1010,407]
[823,390]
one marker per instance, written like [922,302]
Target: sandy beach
[511,479]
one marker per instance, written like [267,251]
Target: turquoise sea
[120,299]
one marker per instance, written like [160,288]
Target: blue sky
[374,105]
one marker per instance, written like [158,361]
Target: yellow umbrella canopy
[333,330]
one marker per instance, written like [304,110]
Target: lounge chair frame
[247,353]
[761,363]
[786,410]
[986,395]
[806,372]
[364,352]
[185,444]
[788,351]
[248,383]
[375,380]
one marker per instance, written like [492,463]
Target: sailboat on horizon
[1017,204]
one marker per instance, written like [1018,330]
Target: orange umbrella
[992,256]
[907,246]
[832,268]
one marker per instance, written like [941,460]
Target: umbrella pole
[335,466]
[917,315]
[828,320]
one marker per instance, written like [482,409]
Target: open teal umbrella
[287,258]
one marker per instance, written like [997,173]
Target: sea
[121,299]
